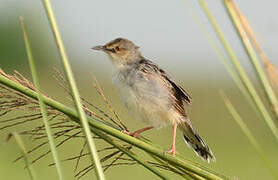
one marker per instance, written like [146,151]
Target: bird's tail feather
[194,141]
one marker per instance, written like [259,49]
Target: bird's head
[121,51]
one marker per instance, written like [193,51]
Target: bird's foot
[133,134]
[138,132]
[172,151]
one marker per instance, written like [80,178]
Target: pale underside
[147,97]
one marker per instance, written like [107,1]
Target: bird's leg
[173,147]
[137,132]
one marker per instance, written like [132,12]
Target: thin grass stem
[270,68]
[222,57]
[29,166]
[252,55]
[182,173]
[248,134]
[242,74]
[40,99]
[76,97]
[130,154]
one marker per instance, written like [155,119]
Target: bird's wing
[179,93]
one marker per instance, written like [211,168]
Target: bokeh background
[168,36]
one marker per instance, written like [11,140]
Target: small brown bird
[151,95]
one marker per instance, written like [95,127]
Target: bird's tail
[193,140]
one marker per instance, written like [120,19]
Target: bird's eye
[117,48]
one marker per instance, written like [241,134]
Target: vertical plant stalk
[77,100]
[269,67]
[42,105]
[249,31]
[242,74]
[222,57]
[252,55]
[248,134]
[29,166]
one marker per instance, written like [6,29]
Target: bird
[150,95]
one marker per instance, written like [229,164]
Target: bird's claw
[133,134]
[172,151]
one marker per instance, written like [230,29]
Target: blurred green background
[167,35]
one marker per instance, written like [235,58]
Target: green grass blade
[94,123]
[29,166]
[185,174]
[76,97]
[42,105]
[242,74]
[131,155]
[252,56]
[222,57]
[249,135]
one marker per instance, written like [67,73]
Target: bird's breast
[144,97]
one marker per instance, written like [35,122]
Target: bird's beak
[99,48]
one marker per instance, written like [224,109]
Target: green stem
[130,154]
[249,135]
[29,166]
[76,97]
[42,105]
[223,58]
[182,173]
[187,165]
[244,78]
[253,57]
